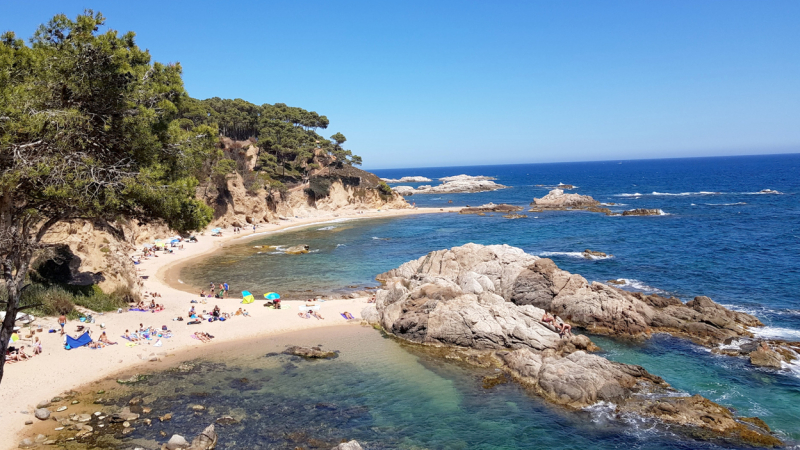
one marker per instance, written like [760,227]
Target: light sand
[57,370]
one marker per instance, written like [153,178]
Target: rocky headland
[458,184]
[485,305]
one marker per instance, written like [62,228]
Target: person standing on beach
[62,320]
[225,286]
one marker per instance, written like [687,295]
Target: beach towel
[80,342]
[137,309]
[157,343]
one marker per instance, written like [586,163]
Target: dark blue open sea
[719,237]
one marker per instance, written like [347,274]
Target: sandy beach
[57,370]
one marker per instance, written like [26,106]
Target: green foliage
[57,299]
[319,187]
[91,129]
[384,188]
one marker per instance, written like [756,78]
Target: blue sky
[438,83]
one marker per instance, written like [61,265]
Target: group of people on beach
[14,354]
[221,293]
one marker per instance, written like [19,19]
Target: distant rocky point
[558,200]
[453,185]
[466,178]
[490,207]
[407,180]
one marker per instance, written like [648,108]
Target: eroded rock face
[487,303]
[610,310]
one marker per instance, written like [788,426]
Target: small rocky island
[458,184]
[558,200]
[486,305]
[407,180]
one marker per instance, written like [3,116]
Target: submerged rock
[206,440]
[297,250]
[310,352]
[490,302]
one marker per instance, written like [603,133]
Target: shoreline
[57,370]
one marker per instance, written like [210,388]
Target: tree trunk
[14,290]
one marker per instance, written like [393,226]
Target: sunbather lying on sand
[96,344]
[316,314]
[348,316]
[104,339]
[203,337]
[305,315]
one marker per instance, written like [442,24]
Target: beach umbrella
[216,230]
[272,296]
[14,337]
[174,241]
[159,242]
[247,297]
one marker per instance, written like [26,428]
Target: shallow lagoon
[380,391]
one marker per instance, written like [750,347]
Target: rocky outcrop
[557,200]
[352,445]
[490,208]
[407,180]
[297,250]
[609,310]
[206,440]
[643,212]
[591,254]
[453,185]
[310,352]
[466,178]
[458,301]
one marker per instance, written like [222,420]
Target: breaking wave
[579,255]
[668,194]
[776,333]
[726,204]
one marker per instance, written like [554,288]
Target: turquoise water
[383,393]
[721,238]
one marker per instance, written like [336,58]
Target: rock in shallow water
[493,298]
[310,352]
[352,445]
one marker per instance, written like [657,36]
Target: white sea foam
[671,194]
[639,286]
[725,204]
[776,333]
[379,238]
[326,228]
[579,255]
[340,245]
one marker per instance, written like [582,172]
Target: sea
[721,234]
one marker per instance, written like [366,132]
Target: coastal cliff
[86,253]
[482,305]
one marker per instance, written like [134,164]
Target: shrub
[384,188]
[319,187]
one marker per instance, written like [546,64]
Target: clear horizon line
[794,152]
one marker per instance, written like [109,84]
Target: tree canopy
[286,136]
[90,128]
